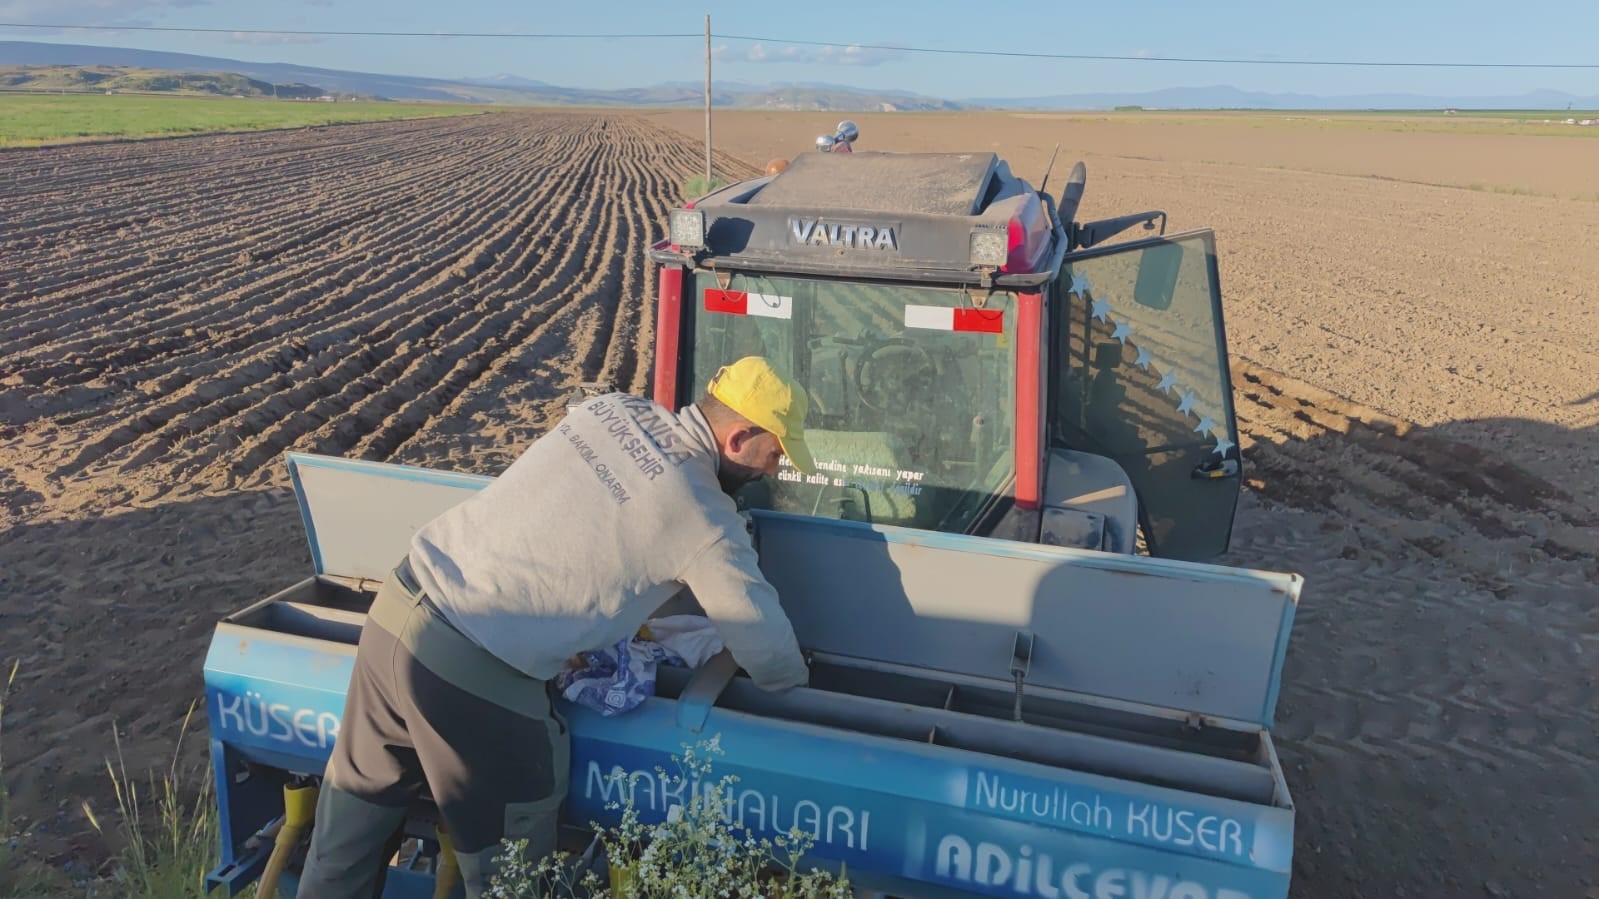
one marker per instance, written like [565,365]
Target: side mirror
[1158,267]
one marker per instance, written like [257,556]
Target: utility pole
[707,101]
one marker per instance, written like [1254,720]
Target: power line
[947,51]
[308,33]
[1022,54]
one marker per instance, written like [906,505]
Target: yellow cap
[754,389]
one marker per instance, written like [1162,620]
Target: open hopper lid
[360,516]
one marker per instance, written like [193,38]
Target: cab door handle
[1216,469]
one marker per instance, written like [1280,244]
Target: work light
[686,227]
[990,247]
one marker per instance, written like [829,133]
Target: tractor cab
[976,360]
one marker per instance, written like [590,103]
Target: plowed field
[1418,398]
[180,313]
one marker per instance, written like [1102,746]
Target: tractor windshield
[911,391]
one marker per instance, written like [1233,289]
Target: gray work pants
[429,708]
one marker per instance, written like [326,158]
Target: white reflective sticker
[937,318]
[770,306]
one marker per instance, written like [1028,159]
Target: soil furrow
[249,371]
[244,263]
[593,200]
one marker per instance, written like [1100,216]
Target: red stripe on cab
[731,302]
[980,321]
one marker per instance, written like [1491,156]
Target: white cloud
[263,38]
[856,55]
[852,55]
[86,12]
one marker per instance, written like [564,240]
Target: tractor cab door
[1139,375]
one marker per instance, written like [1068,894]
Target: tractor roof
[933,183]
[900,216]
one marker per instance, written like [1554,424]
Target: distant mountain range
[127,79]
[512,89]
[30,53]
[497,89]
[1225,97]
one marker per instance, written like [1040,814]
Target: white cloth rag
[693,638]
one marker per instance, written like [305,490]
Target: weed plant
[697,851]
[698,186]
[168,841]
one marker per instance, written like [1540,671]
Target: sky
[1528,31]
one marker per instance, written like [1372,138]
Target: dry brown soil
[1416,363]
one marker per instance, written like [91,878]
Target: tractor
[977,361]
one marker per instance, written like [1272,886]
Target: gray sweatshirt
[586,534]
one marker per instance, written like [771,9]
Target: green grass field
[35,119]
